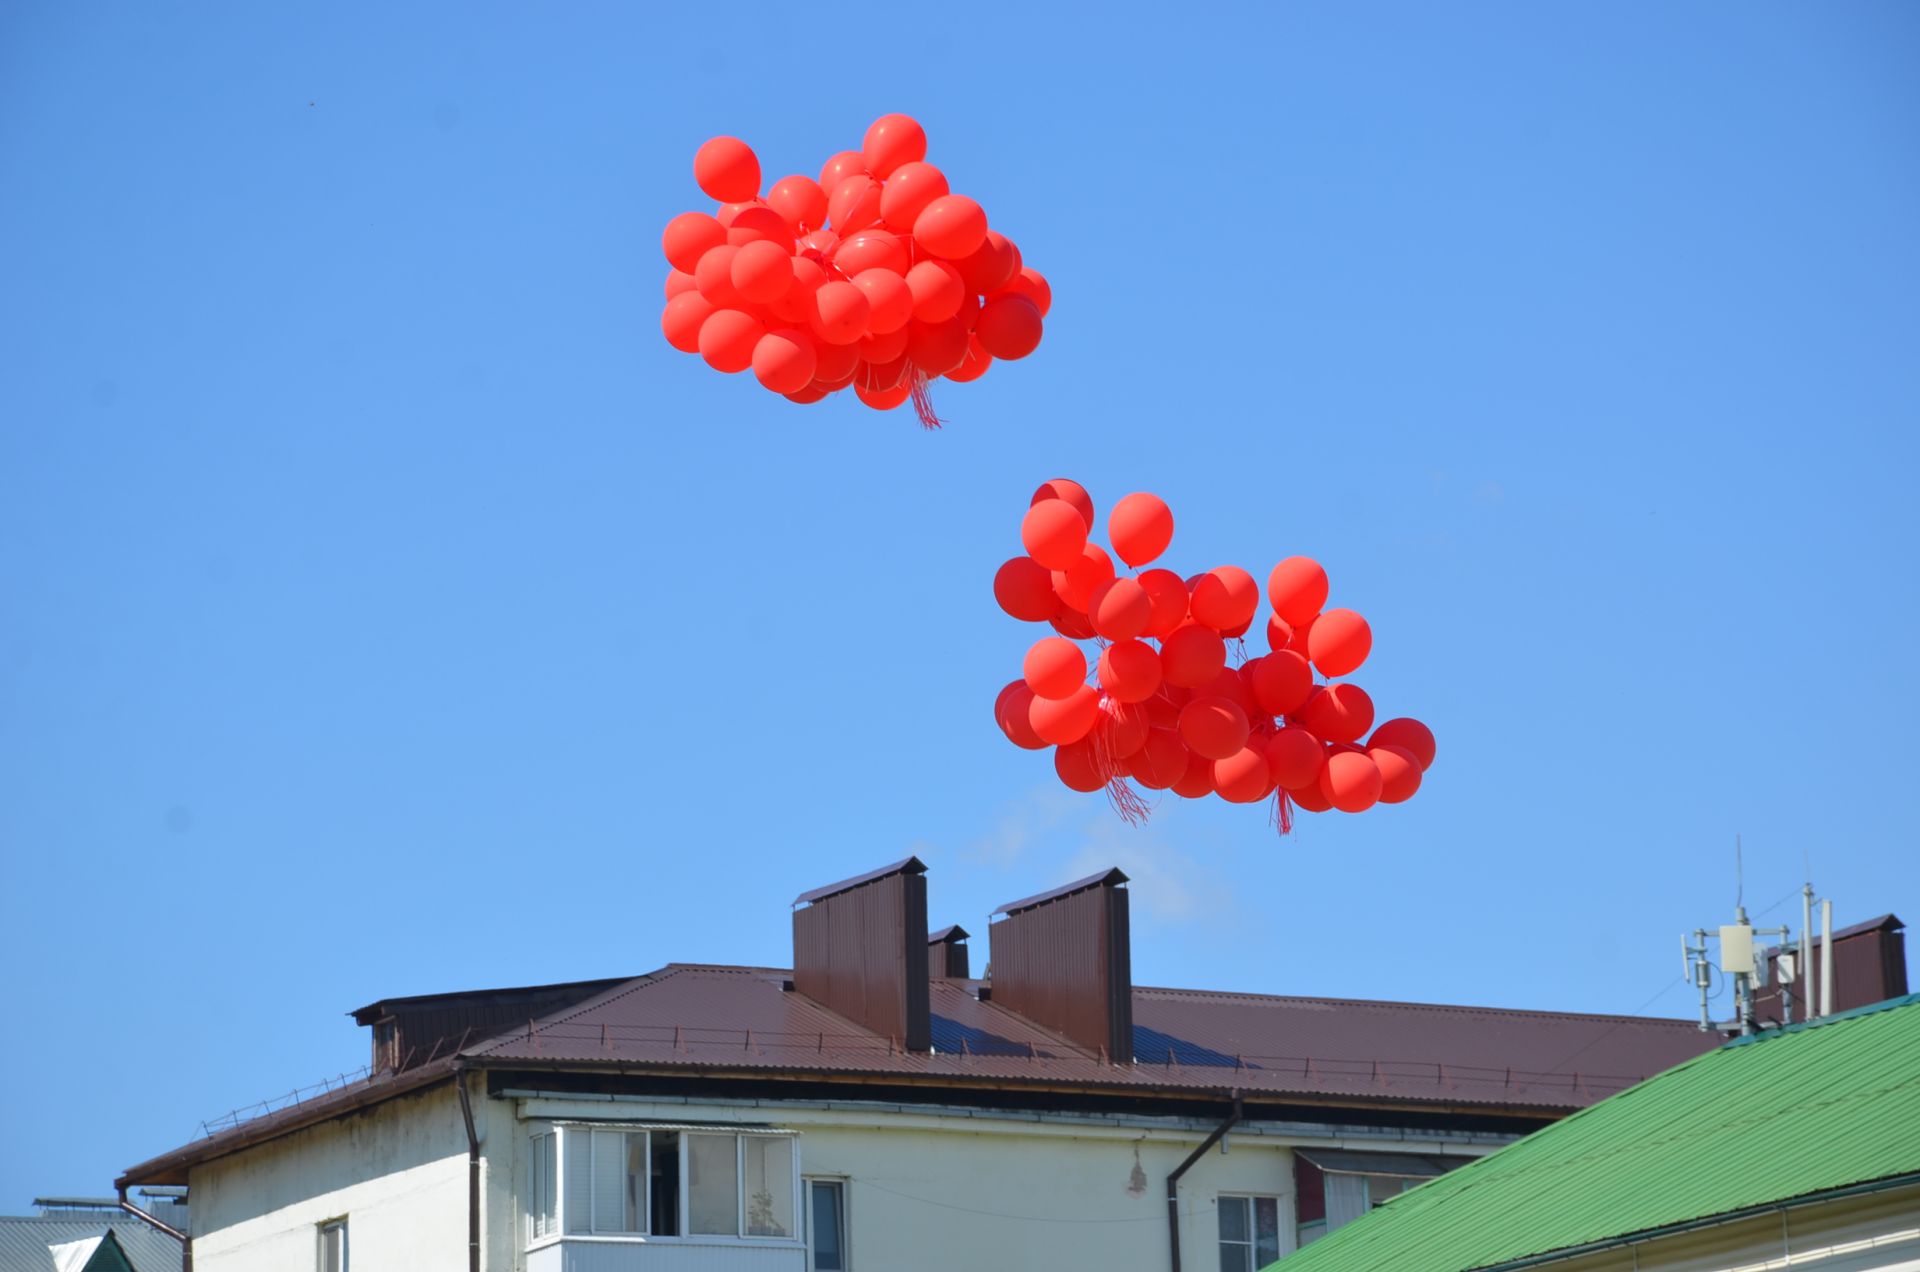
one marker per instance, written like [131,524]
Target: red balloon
[1243,777]
[1295,757]
[1008,327]
[1281,682]
[952,226]
[784,361]
[1163,708]
[974,365]
[840,313]
[848,163]
[1351,782]
[837,365]
[883,377]
[755,223]
[680,321]
[1161,761]
[713,276]
[1141,527]
[1232,686]
[1279,633]
[907,192]
[937,290]
[889,303]
[870,249]
[1399,773]
[893,141]
[1225,598]
[1129,670]
[1029,282]
[1119,609]
[1197,781]
[854,204]
[882,399]
[1120,730]
[819,245]
[1338,713]
[679,282]
[1192,655]
[1054,534]
[990,267]
[1404,731]
[761,271]
[807,396]
[1340,642]
[880,350]
[1310,798]
[800,202]
[1068,621]
[1297,589]
[1077,582]
[1213,727]
[1010,713]
[690,236]
[1061,721]
[937,347]
[1071,491]
[1169,595]
[727,170]
[727,339]
[1024,589]
[1079,766]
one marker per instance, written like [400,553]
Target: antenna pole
[1739,880]
[1826,957]
[1806,950]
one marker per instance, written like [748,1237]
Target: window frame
[320,1230]
[1252,1243]
[560,1128]
[839,1183]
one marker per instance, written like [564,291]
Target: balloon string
[1125,800]
[923,401]
[1282,817]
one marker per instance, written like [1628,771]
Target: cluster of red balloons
[1164,707]
[875,276]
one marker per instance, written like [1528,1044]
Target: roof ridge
[628,986]
[1838,1017]
[1531,1013]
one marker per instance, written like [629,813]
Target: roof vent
[860,948]
[1063,960]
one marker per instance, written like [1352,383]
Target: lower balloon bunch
[1166,707]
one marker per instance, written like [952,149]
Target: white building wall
[397,1172]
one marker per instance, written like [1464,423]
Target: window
[826,1225]
[1249,1233]
[333,1246]
[542,1186]
[1333,1188]
[616,1181]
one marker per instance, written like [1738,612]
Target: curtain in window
[1346,1199]
[713,1185]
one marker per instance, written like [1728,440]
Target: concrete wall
[397,1172]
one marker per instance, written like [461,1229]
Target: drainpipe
[473,1174]
[1173,1180]
[152,1221]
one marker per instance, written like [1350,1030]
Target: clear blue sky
[386,609]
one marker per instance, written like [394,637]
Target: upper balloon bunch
[876,276]
[1165,709]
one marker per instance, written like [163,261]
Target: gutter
[473,1171]
[152,1221]
[1888,1184]
[1173,1181]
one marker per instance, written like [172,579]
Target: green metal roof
[1811,1108]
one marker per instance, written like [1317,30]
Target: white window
[826,1225]
[1249,1233]
[542,1188]
[333,1246]
[635,1181]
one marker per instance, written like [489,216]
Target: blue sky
[386,609]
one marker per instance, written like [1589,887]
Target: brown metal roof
[1066,889]
[908,865]
[954,933]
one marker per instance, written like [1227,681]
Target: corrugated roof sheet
[25,1242]
[735,1018]
[1814,1107]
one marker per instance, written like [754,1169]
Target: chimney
[860,948]
[947,953]
[1869,966]
[1062,960]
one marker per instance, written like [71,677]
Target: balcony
[666,1254]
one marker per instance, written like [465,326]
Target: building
[1796,1147]
[93,1234]
[877,1106]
